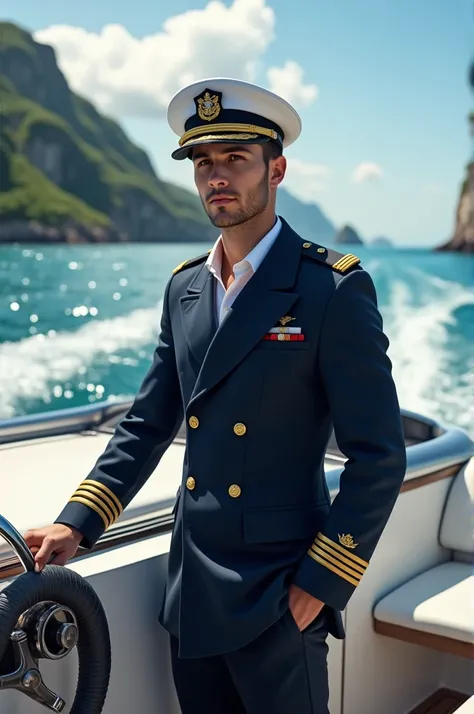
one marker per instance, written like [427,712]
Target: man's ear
[277,171]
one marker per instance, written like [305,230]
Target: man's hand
[58,540]
[304,607]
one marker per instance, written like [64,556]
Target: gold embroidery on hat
[208,107]
[212,137]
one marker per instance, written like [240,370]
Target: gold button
[306,245]
[240,429]
[193,422]
[234,491]
[321,250]
[190,483]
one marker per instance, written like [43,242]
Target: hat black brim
[185,152]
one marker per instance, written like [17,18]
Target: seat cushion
[467,707]
[456,531]
[439,601]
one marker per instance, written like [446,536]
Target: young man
[266,343]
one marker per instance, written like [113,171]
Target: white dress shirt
[243,270]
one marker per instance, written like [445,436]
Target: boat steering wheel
[45,616]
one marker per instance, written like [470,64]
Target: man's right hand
[55,540]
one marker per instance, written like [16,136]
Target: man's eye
[202,163]
[234,156]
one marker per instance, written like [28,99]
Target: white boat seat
[467,707]
[436,608]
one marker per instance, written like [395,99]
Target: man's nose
[217,179]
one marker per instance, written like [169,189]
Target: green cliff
[70,173]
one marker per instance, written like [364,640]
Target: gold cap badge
[208,105]
[347,540]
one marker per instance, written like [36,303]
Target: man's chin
[222,219]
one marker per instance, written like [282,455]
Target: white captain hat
[223,110]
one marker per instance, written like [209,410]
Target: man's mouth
[221,200]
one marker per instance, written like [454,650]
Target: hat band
[246,128]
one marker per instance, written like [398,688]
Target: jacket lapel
[262,302]
[198,314]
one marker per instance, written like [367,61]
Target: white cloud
[126,76]
[305,179]
[367,171]
[287,81]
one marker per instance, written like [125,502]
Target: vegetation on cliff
[62,163]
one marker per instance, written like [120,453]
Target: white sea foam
[30,367]
[418,310]
[417,320]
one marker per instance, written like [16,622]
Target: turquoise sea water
[78,324]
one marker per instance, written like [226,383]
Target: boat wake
[429,321]
[44,367]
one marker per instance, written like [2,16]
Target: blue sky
[391,93]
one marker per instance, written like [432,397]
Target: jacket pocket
[282,523]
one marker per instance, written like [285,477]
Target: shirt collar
[254,258]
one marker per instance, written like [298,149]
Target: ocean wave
[31,367]
[432,378]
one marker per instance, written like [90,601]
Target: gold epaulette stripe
[247,128]
[178,267]
[339,548]
[107,491]
[89,504]
[346,262]
[341,558]
[98,500]
[341,574]
[342,566]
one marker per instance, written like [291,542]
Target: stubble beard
[256,203]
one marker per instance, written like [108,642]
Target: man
[266,343]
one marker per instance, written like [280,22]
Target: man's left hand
[304,607]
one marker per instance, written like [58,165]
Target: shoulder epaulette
[192,261]
[339,262]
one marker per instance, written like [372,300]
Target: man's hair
[271,150]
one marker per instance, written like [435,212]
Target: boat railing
[74,420]
[431,446]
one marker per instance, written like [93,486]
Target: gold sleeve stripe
[346,262]
[98,502]
[105,489]
[88,486]
[326,557]
[89,504]
[338,547]
[341,574]
[341,558]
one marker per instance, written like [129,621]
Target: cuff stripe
[105,490]
[316,549]
[98,502]
[338,547]
[319,545]
[334,570]
[90,504]
[87,486]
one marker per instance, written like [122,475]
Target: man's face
[232,180]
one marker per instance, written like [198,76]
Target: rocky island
[463,238]
[348,235]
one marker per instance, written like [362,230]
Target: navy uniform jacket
[253,512]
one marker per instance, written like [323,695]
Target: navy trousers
[283,671]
